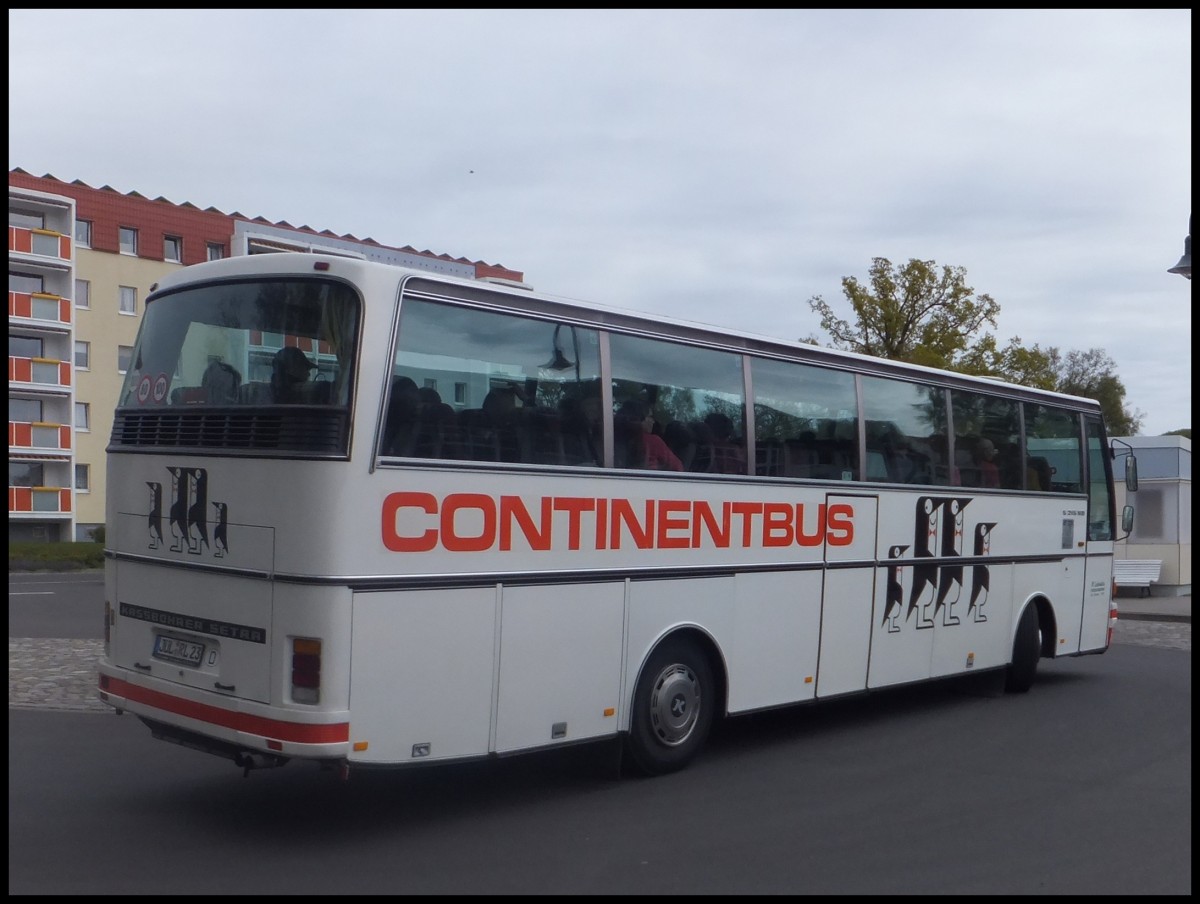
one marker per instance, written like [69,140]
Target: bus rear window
[278,342]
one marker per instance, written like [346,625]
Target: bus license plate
[186,652]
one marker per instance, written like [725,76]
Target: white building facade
[1162,522]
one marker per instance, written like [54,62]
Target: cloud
[722,166]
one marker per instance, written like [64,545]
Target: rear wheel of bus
[1027,649]
[672,708]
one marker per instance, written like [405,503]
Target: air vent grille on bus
[300,430]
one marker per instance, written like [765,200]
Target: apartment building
[42,476]
[81,262]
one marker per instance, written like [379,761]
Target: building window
[83,233]
[128,300]
[215,251]
[172,248]
[25,347]
[25,411]
[26,219]
[128,240]
[25,474]
[124,357]
[83,293]
[83,478]
[24,282]
[83,355]
[83,416]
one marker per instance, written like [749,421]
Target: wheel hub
[675,705]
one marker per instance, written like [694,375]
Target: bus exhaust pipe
[243,758]
[247,761]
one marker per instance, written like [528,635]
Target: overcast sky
[722,166]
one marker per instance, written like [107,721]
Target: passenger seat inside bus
[966,473]
[400,425]
[1039,473]
[221,383]
[255,394]
[543,436]
[318,392]
[434,422]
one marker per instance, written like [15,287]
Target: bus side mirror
[1131,480]
[1127,520]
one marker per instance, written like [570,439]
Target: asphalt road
[1081,786]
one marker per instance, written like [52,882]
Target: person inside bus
[644,447]
[290,370]
[985,461]
[728,457]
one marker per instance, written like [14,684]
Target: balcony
[54,440]
[40,309]
[47,374]
[54,246]
[39,501]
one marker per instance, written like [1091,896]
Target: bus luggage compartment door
[421,673]
[560,663]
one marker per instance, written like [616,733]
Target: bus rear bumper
[251,733]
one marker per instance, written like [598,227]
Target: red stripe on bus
[295,732]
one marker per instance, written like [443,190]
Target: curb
[1152,616]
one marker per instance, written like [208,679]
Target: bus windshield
[278,342]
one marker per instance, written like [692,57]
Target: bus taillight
[306,670]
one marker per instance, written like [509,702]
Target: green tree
[1092,374]
[921,315]
[912,313]
[1015,363]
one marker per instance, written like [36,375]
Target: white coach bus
[369,516]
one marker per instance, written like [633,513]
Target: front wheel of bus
[672,708]
[1027,649]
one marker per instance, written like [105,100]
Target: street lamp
[1184,267]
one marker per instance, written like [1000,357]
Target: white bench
[1137,573]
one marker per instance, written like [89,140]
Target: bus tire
[672,708]
[1027,649]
